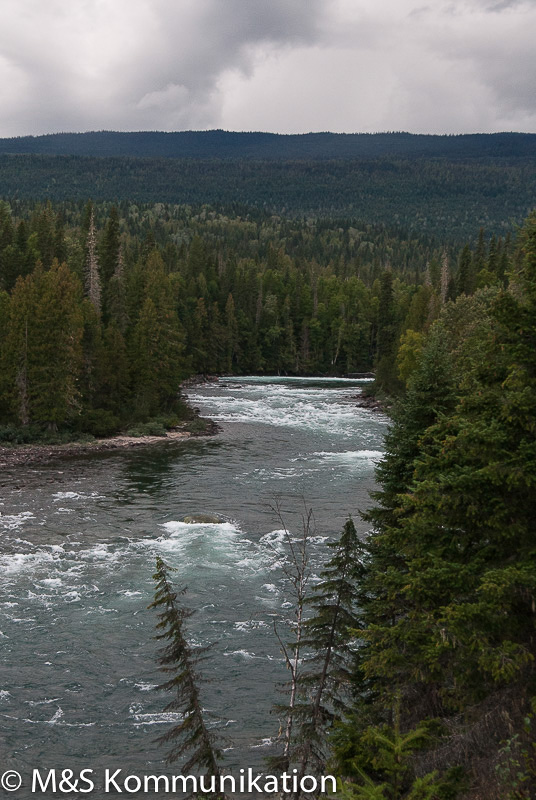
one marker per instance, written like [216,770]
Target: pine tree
[116,304]
[231,333]
[386,378]
[445,276]
[157,347]
[448,603]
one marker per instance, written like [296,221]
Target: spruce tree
[190,738]
[466,277]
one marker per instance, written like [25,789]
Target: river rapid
[79,539]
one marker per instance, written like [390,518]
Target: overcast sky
[288,66]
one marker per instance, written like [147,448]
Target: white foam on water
[163,718]
[11,522]
[242,653]
[249,625]
[41,702]
[4,694]
[301,405]
[21,562]
[350,455]
[56,718]
[269,740]
[290,380]
[57,496]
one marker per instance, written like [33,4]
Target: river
[79,542]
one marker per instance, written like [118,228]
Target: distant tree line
[450,197]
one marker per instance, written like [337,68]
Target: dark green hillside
[450,199]
[256,145]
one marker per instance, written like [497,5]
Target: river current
[79,539]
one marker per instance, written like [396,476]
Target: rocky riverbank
[372,403]
[28,454]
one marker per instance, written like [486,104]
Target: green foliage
[152,428]
[99,422]
[436,184]
[172,291]
[449,594]
[387,753]
[408,354]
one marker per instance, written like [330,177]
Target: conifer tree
[386,378]
[109,247]
[466,278]
[116,305]
[325,684]
[43,346]
[190,737]
[157,348]
[231,333]
[445,277]
[92,276]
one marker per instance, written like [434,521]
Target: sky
[287,66]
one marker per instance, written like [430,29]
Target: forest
[446,187]
[103,315]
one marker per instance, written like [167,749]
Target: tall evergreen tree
[325,684]
[92,274]
[190,737]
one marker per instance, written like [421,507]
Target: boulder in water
[206,519]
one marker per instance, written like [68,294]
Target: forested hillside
[444,684]
[450,199]
[260,146]
[102,313]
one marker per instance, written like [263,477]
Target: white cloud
[345,65]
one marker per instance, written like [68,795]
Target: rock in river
[196,519]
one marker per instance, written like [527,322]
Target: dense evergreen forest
[104,312]
[261,146]
[446,197]
[444,686]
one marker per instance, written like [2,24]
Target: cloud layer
[290,67]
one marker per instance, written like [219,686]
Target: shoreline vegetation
[28,453]
[35,453]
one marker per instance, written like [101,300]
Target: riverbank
[28,454]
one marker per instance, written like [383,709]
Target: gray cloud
[451,66]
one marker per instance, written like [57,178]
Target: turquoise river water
[79,539]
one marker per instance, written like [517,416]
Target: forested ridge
[104,313]
[259,145]
[448,197]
